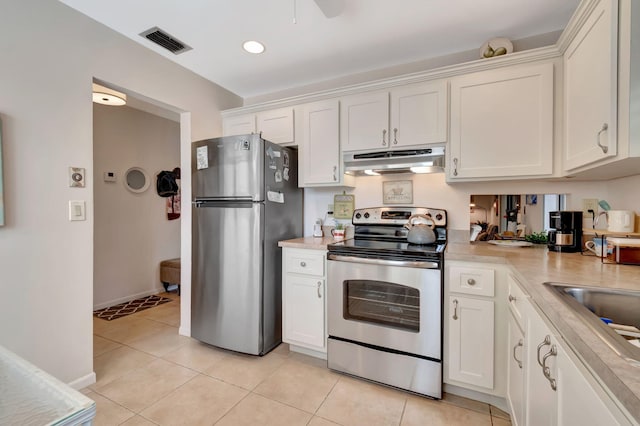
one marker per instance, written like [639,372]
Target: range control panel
[397,215]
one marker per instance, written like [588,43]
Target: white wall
[132,234]
[50,54]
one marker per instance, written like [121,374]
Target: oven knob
[366,215]
[358,215]
[439,216]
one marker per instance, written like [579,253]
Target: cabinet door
[502,123]
[471,340]
[515,372]
[319,147]
[590,67]
[239,125]
[364,121]
[541,398]
[419,114]
[303,310]
[578,402]
[276,125]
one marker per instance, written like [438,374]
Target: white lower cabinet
[556,390]
[475,329]
[471,340]
[515,372]
[303,300]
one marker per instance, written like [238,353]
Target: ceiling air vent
[165,40]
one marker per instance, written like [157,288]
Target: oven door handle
[384,262]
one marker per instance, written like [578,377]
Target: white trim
[129,297]
[533,55]
[576,22]
[494,400]
[83,382]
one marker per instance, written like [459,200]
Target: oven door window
[382,303]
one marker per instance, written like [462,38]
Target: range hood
[425,160]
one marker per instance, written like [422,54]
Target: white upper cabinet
[239,125]
[502,123]
[404,117]
[419,114]
[364,121]
[319,146]
[590,82]
[276,125]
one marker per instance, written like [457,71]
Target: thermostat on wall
[109,176]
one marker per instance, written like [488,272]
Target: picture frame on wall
[397,192]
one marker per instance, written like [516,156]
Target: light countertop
[535,265]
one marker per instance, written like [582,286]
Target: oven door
[386,304]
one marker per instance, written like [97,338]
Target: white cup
[338,234]
[596,245]
[620,220]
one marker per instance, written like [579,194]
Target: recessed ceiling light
[253,46]
[108,99]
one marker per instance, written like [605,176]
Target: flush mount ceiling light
[253,46]
[105,96]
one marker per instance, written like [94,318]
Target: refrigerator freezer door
[228,168]
[226,299]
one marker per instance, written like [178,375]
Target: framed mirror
[136,180]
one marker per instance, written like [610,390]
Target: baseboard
[83,381]
[156,290]
[306,351]
[496,401]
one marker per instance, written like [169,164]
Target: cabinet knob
[471,281]
[604,128]
[303,264]
[384,137]
[512,298]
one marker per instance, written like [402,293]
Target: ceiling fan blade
[331,8]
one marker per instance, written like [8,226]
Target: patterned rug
[124,309]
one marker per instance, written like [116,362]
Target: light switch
[77,210]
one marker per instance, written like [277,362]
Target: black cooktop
[400,250]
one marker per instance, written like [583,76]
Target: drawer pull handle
[319,285]
[512,298]
[546,370]
[303,264]
[395,136]
[604,128]
[455,167]
[519,344]
[545,342]
[471,281]
[455,309]
[384,137]
[335,173]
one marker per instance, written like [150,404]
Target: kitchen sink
[597,306]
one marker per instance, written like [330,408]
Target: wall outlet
[589,204]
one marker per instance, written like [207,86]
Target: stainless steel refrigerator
[245,199]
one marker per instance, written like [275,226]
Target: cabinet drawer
[516,300]
[476,281]
[306,262]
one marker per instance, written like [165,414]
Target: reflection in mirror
[511,216]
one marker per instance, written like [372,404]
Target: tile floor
[147,374]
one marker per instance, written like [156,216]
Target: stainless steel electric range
[385,301]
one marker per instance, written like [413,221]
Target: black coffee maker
[566,231]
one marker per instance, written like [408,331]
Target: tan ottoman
[170,274]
